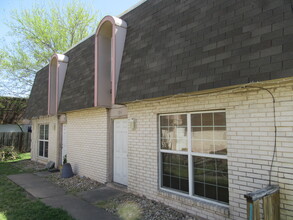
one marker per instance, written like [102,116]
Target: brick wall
[52,121]
[250,138]
[87,143]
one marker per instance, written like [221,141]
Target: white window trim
[43,140]
[189,154]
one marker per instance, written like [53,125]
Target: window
[43,140]
[193,153]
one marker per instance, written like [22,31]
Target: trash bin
[66,171]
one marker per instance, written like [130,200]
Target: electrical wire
[275,130]
[247,86]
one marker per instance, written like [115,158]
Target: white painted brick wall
[52,149]
[87,140]
[250,137]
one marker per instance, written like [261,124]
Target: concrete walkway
[79,207]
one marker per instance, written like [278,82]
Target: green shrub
[8,153]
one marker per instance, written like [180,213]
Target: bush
[8,153]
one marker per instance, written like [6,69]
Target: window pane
[199,175]
[184,172]
[164,121]
[176,167]
[222,179]
[178,120]
[166,168]
[210,177]
[46,132]
[184,185]
[183,160]
[46,149]
[223,194]
[42,130]
[165,133]
[196,120]
[181,145]
[175,159]
[208,147]
[196,133]
[166,180]
[174,137]
[175,183]
[220,147]
[41,148]
[220,133]
[165,145]
[210,191]
[207,133]
[197,146]
[198,162]
[211,174]
[207,119]
[219,118]
[166,158]
[222,165]
[199,189]
[210,164]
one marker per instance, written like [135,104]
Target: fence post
[253,212]
[271,203]
[271,206]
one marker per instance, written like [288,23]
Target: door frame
[113,148]
[116,112]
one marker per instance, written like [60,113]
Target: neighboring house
[185,102]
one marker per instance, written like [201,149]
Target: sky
[108,7]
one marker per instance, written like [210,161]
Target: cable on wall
[275,129]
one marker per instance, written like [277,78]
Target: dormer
[57,70]
[109,45]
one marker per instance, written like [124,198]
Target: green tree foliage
[12,110]
[40,33]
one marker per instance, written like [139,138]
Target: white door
[64,142]
[120,151]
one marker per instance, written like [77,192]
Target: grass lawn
[14,202]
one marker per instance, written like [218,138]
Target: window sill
[197,202]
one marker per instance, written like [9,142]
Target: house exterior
[186,102]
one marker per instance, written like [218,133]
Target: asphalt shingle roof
[180,46]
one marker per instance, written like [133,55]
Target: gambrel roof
[78,88]
[191,45]
[182,46]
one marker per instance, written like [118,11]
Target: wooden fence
[20,140]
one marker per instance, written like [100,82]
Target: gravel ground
[74,184]
[127,206]
[132,207]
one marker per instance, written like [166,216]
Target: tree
[40,33]
[12,110]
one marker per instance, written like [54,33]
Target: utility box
[271,203]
